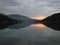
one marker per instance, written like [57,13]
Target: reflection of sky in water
[30,35]
[39,25]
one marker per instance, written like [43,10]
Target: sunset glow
[39,17]
[39,25]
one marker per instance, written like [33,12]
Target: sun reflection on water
[39,25]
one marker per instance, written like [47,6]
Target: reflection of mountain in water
[13,21]
[53,21]
[5,21]
[4,25]
[55,26]
[26,21]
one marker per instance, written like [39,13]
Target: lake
[34,34]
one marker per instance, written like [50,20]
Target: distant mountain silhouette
[55,17]
[3,17]
[19,17]
[14,21]
[5,21]
[53,21]
[26,21]
[23,18]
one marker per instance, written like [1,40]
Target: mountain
[5,19]
[19,21]
[26,21]
[19,17]
[55,17]
[53,21]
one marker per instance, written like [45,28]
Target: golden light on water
[39,25]
[38,17]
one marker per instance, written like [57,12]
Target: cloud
[6,3]
[30,7]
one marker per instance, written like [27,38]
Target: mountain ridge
[55,17]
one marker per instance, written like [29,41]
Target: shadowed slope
[55,17]
[53,21]
[5,21]
[15,21]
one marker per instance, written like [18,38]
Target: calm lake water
[35,34]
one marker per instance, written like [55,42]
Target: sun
[39,17]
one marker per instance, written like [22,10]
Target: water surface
[35,34]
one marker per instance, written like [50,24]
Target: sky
[30,7]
